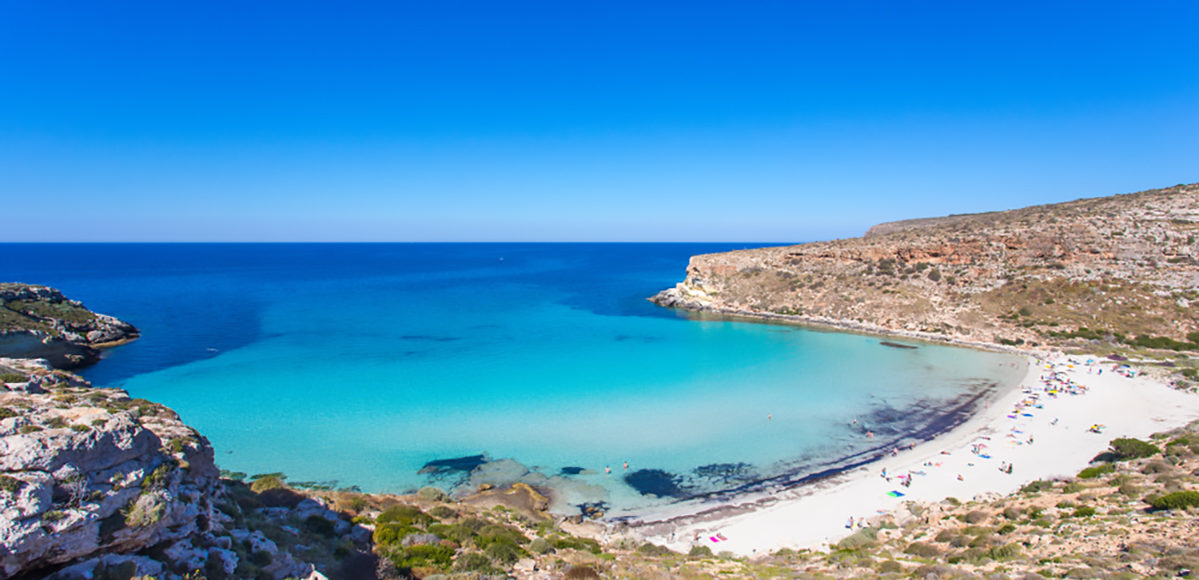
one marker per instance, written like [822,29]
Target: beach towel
[894,493]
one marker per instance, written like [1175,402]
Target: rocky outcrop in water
[40,322]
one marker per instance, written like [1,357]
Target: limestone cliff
[96,484]
[39,322]
[1120,269]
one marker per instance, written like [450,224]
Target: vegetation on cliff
[40,322]
[1118,272]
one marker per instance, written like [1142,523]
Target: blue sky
[497,121]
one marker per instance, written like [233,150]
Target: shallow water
[360,363]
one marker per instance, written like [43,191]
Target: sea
[390,367]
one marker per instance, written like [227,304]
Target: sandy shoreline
[815,515]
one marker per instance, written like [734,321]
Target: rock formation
[1120,268]
[39,322]
[92,480]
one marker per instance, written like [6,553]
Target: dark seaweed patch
[572,470]
[726,473]
[656,482]
[453,465]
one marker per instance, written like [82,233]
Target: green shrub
[861,538]
[422,556]
[475,562]
[889,567]
[651,549]
[267,482]
[1084,511]
[1175,500]
[1126,448]
[1003,552]
[1129,490]
[145,511]
[261,558]
[1006,529]
[573,543]
[1037,486]
[504,553]
[1012,513]
[499,534]
[80,428]
[6,413]
[976,517]
[581,573]
[404,515]
[431,494]
[1096,471]
[455,532]
[12,378]
[540,546]
[922,549]
[392,533]
[946,535]
[10,484]
[27,429]
[441,512]
[318,525]
[700,552]
[1073,487]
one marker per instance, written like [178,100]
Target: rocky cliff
[39,322]
[1119,269]
[94,484]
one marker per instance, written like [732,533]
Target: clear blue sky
[639,121]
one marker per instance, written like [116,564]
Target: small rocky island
[39,322]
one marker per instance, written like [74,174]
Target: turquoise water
[360,364]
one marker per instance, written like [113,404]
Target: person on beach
[870,435]
[626,466]
[884,473]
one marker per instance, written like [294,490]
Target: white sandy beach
[1062,443]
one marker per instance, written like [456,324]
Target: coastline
[829,324]
[815,515]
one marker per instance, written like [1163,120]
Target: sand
[1053,440]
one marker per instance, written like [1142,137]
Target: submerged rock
[454,465]
[658,483]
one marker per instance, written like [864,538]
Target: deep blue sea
[362,363]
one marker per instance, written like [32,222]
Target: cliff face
[39,322]
[1104,268]
[94,484]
